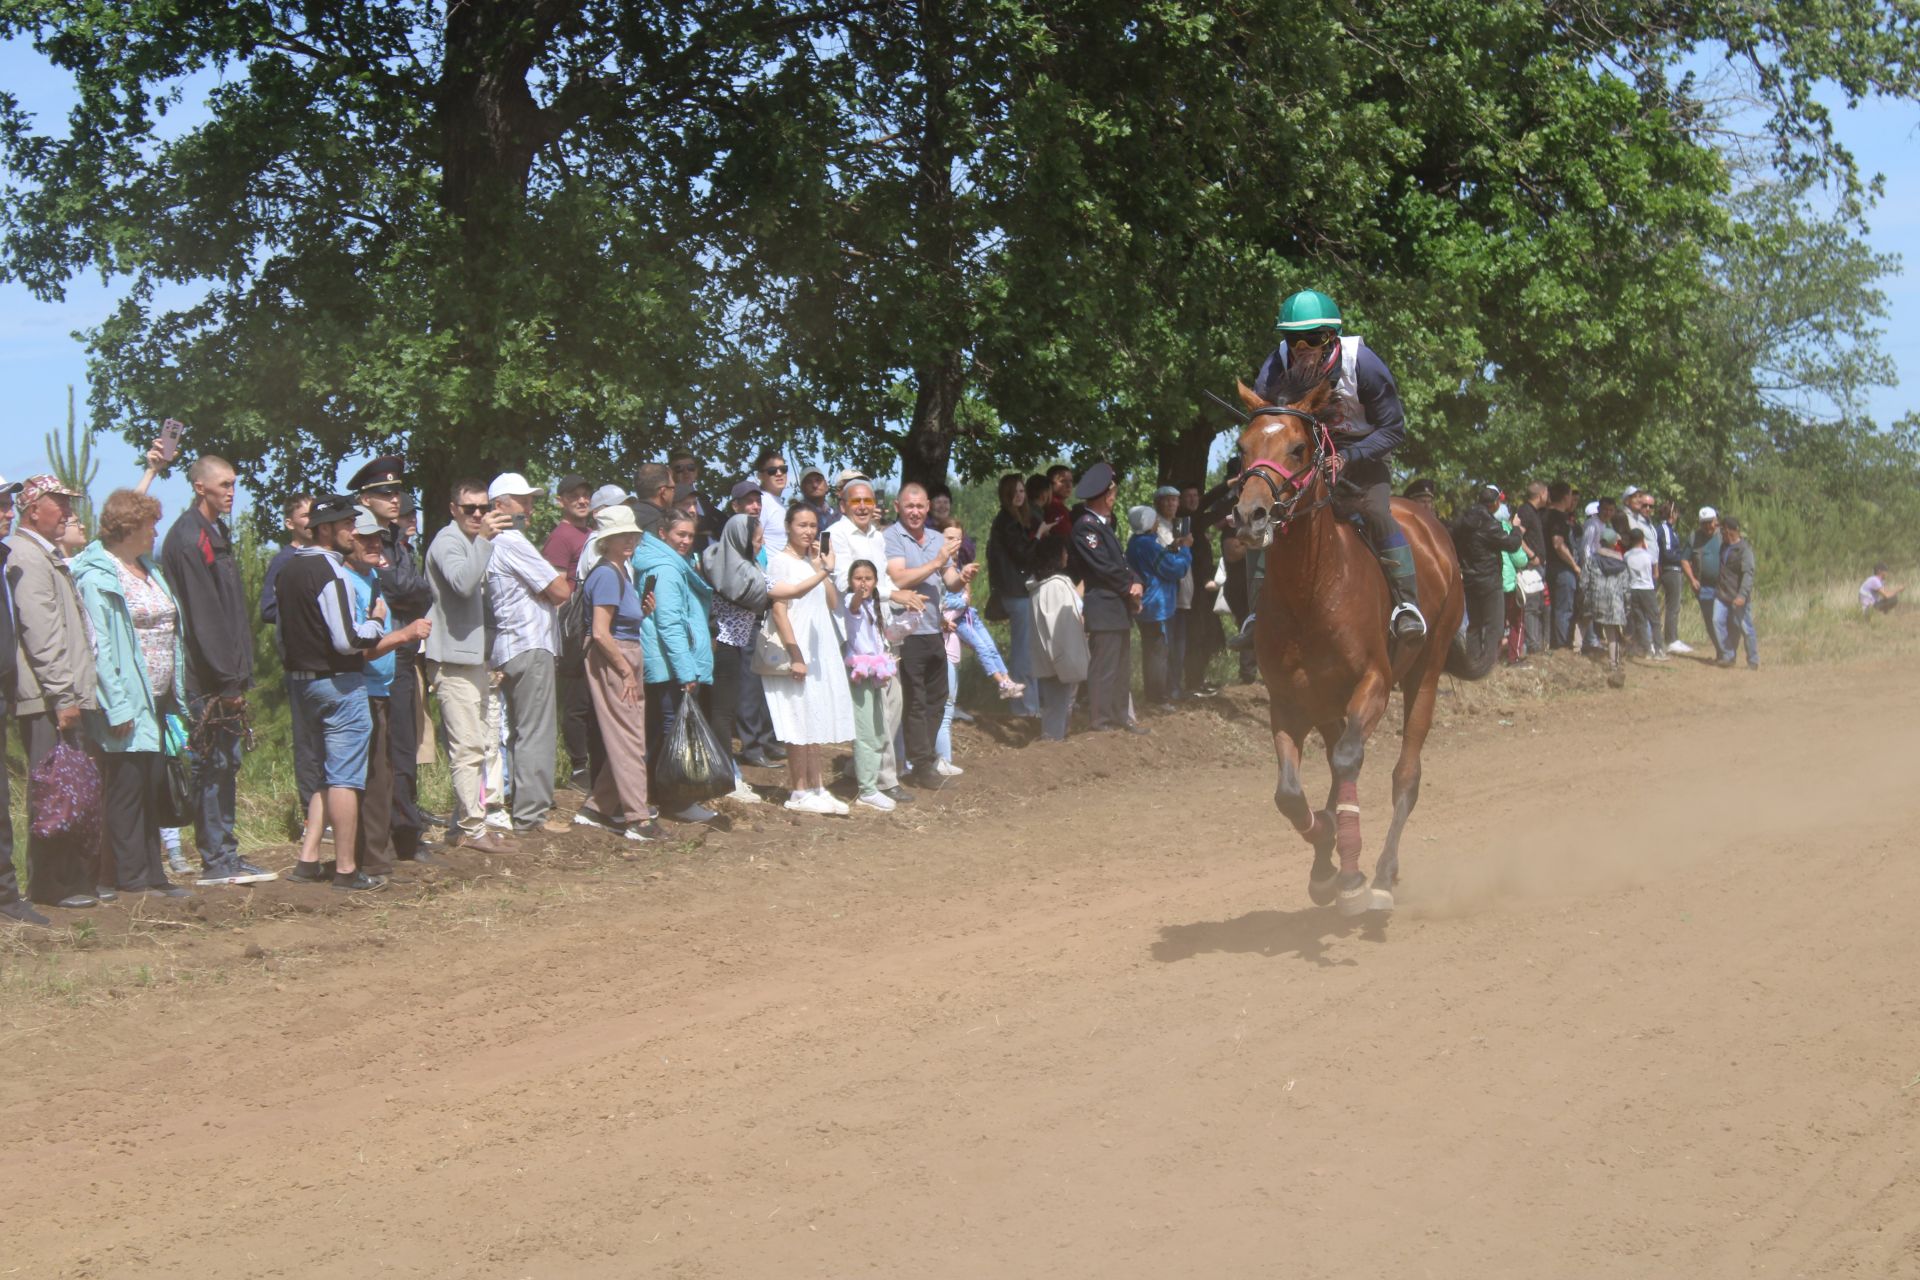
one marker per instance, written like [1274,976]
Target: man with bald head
[216,626]
[857,536]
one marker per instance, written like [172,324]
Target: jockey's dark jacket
[1379,395]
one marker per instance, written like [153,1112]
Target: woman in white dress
[810,706]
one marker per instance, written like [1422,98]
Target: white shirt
[773,524]
[516,575]
[849,545]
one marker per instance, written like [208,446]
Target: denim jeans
[1056,705]
[1705,597]
[1020,653]
[216,772]
[1673,585]
[974,634]
[1564,585]
[1725,618]
[943,740]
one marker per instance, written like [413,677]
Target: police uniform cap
[382,475]
[1098,479]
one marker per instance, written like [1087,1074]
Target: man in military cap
[381,489]
[1112,596]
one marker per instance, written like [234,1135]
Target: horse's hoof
[1360,900]
[1323,892]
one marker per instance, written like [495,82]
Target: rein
[1291,486]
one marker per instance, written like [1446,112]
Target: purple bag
[66,796]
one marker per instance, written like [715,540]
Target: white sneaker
[947,769]
[498,820]
[800,802]
[600,822]
[743,793]
[1679,646]
[878,800]
[829,804]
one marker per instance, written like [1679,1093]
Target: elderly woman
[810,704]
[616,674]
[676,637]
[142,679]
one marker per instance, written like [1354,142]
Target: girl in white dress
[810,706]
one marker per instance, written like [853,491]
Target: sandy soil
[1647,1010]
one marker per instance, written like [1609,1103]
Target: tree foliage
[951,232]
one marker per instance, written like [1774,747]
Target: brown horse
[1322,639]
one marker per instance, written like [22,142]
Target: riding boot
[1403,585]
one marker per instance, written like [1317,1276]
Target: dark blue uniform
[1100,564]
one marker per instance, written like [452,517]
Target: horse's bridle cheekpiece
[1286,487]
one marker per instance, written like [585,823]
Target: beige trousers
[466,695]
[620,788]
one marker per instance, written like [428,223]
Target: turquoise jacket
[118,662]
[675,637]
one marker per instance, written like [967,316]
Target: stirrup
[1407,622]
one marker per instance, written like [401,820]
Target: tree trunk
[928,449]
[939,376]
[1182,458]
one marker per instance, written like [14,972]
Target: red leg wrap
[1347,812]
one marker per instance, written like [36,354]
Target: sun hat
[613,520]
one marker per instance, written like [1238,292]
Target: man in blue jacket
[1370,426]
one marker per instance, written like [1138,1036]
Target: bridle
[1287,487]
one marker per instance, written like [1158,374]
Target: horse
[1321,633]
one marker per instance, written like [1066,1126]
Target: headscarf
[729,565]
[1142,519]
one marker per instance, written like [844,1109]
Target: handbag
[65,796]
[174,805]
[769,650]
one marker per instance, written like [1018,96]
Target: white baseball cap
[9,488]
[511,484]
[607,495]
[1593,508]
[1631,490]
[1708,513]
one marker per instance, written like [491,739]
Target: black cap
[743,489]
[569,483]
[382,475]
[407,505]
[331,509]
[1098,479]
[1421,488]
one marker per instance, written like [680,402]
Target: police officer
[1112,597]
[380,486]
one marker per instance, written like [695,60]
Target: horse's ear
[1248,396]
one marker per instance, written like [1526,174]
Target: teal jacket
[675,637]
[1511,563]
[121,667]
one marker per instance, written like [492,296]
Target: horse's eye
[1298,452]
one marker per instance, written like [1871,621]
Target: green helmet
[1306,310]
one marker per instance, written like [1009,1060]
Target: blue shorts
[331,714]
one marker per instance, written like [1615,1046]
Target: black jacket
[404,583]
[1481,540]
[216,623]
[1100,562]
[1009,556]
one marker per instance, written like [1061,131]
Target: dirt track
[1663,1025]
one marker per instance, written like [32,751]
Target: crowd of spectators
[797,618]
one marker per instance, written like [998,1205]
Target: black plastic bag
[694,765]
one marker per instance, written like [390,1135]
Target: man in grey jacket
[456,654]
[1733,597]
[53,678]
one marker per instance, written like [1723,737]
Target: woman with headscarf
[1160,570]
[735,566]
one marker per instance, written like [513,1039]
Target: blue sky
[40,357]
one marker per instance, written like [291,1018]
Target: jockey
[1372,425]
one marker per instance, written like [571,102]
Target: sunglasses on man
[774,471]
[474,508]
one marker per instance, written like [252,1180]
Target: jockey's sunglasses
[1315,338]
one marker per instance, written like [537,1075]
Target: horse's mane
[1295,382]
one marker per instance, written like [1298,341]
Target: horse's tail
[1469,661]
